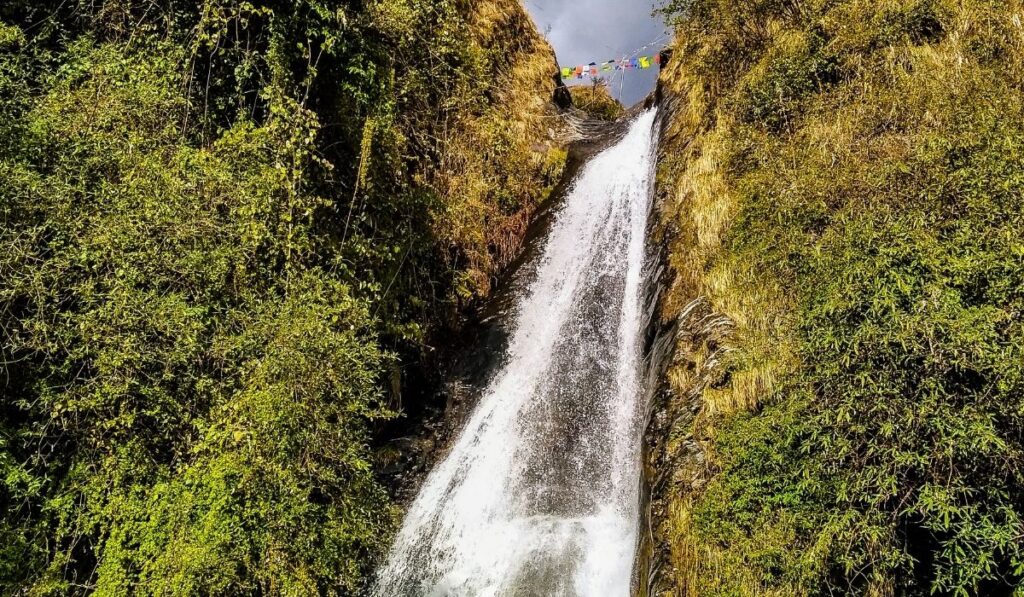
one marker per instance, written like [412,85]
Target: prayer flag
[594,68]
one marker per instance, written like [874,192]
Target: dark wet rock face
[671,344]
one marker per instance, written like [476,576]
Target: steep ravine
[470,359]
[832,336]
[539,494]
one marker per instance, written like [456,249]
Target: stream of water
[539,494]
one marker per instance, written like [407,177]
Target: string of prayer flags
[591,70]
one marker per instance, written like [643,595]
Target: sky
[585,31]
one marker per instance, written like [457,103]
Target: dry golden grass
[596,101]
[699,207]
[701,203]
[500,165]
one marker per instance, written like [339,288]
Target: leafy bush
[883,221]
[218,236]
[187,374]
[797,68]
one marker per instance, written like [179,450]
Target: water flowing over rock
[540,492]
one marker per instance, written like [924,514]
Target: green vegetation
[848,187]
[225,227]
[596,100]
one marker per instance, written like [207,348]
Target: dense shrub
[878,208]
[224,227]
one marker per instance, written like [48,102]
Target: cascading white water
[540,492]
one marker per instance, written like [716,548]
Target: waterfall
[540,492]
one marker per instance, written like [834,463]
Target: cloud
[584,31]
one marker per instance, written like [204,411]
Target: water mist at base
[540,492]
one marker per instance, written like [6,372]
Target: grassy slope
[846,183]
[223,225]
[596,101]
[502,162]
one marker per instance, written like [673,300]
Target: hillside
[844,199]
[231,234]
